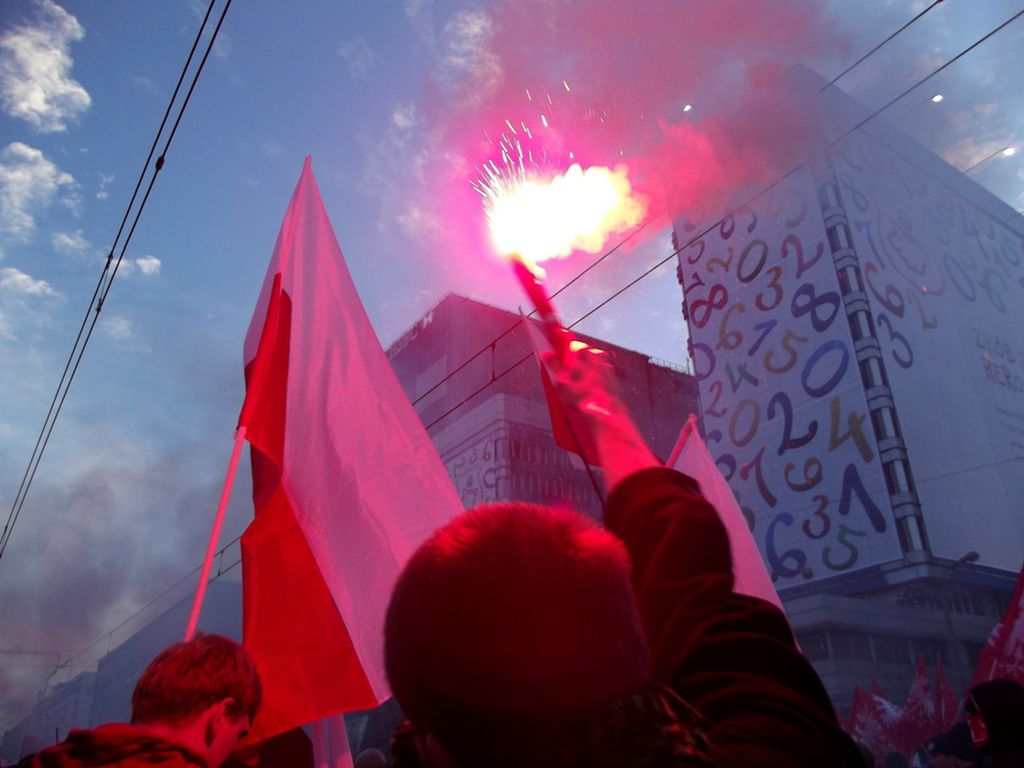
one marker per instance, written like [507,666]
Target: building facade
[470,372]
[857,335]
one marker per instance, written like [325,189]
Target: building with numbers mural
[468,368]
[857,335]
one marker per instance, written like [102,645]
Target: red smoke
[630,68]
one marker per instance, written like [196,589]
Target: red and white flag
[946,707]
[918,722]
[871,722]
[691,457]
[346,483]
[1003,654]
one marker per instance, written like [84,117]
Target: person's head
[371,758]
[205,690]
[995,711]
[510,626]
[952,748]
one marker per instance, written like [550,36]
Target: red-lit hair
[509,617]
[186,678]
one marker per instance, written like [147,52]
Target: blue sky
[124,497]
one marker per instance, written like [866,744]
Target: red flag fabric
[876,690]
[917,722]
[570,431]
[691,457]
[946,707]
[1003,654]
[871,722]
[346,483]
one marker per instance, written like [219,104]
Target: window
[838,237]
[814,645]
[853,276]
[884,423]
[883,648]
[849,280]
[860,647]
[896,476]
[841,645]
[931,648]
[860,325]
[909,532]
[871,372]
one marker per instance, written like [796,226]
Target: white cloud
[148,265]
[467,60]
[70,242]
[421,17]
[35,66]
[118,327]
[271,149]
[105,181]
[28,184]
[16,281]
[121,330]
[146,84]
[358,56]
[404,116]
[6,331]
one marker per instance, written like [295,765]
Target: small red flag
[917,723]
[1003,654]
[946,707]
[871,722]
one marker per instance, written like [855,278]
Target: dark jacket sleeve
[730,656]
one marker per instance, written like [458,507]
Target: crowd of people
[520,635]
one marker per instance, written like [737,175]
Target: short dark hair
[188,677]
[509,617]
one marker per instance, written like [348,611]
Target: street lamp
[1005,152]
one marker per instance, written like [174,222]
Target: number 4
[854,422]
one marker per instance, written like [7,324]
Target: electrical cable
[102,291]
[717,223]
[496,377]
[887,40]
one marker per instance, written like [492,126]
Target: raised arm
[731,656]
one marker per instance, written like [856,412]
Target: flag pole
[218,523]
[684,435]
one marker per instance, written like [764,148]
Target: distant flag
[691,457]
[876,690]
[946,707]
[346,483]
[1003,654]
[871,722]
[918,721]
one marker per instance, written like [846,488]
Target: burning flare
[577,211]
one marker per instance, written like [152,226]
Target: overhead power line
[107,275]
[878,47]
[587,314]
[708,229]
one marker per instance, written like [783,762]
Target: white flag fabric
[691,457]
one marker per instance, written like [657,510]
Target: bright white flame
[937,98]
[1009,152]
[575,212]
